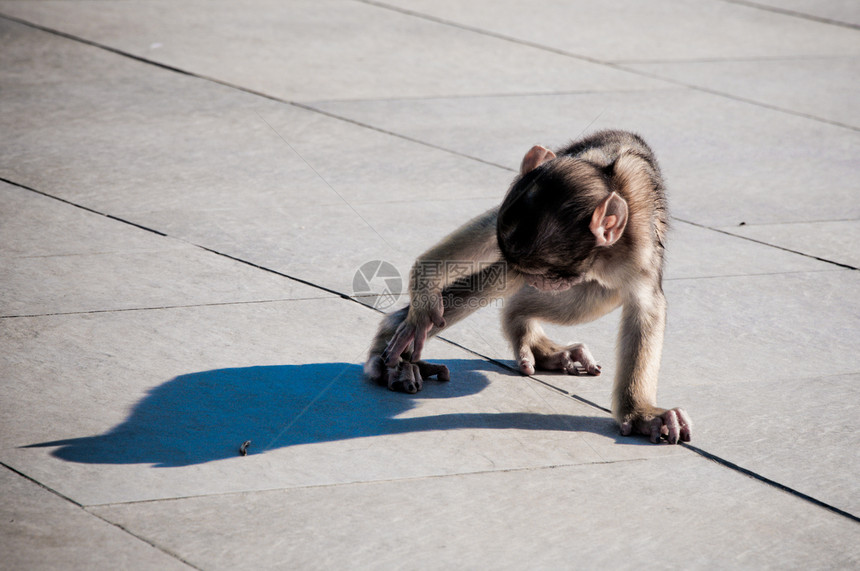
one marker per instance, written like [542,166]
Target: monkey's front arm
[643,321]
[470,247]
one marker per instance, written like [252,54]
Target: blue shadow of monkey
[206,416]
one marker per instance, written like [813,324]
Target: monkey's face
[550,283]
[551,265]
[543,224]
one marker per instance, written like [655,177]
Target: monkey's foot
[405,377]
[574,359]
[674,425]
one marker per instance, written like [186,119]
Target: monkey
[580,232]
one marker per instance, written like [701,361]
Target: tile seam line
[793,13]
[41,485]
[533,94]
[762,242]
[440,21]
[739,99]
[606,63]
[745,3]
[84,509]
[365,482]
[735,59]
[82,207]
[488,33]
[756,275]
[160,307]
[162,234]
[772,483]
[696,450]
[246,90]
[794,222]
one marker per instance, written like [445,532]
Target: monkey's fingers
[405,377]
[647,427]
[673,425]
[418,342]
[686,425]
[434,309]
[657,429]
[404,335]
[411,379]
[587,364]
[679,427]
[430,369]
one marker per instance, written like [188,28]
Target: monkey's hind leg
[535,351]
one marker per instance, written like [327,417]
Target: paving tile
[235,173]
[660,30]
[836,240]
[725,162]
[825,88]
[796,431]
[297,208]
[325,244]
[758,328]
[696,252]
[842,11]
[139,414]
[155,404]
[355,50]
[738,349]
[89,126]
[58,258]
[39,530]
[746,329]
[684,512]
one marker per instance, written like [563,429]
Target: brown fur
[547,232]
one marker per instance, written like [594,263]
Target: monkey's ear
[609,220]
[536,156]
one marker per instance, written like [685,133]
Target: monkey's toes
[672,426]
[405,377]
[593,370]
[527,367]
[427,370]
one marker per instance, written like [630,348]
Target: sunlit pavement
[202,202]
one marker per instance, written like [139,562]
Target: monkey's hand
[674,425]
[424,312]
[404,376]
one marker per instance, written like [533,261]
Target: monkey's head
[558,216]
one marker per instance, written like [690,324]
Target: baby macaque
[580,232]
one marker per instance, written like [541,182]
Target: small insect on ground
[243,450]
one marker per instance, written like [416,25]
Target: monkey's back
[603,149]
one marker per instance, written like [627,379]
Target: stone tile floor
[187,190]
